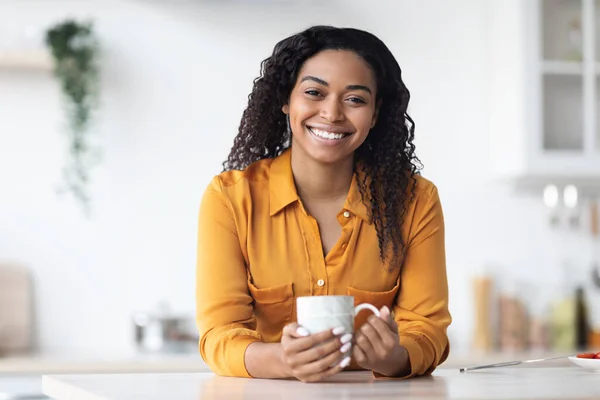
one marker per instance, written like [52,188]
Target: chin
[327,155]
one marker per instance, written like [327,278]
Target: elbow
[224,350]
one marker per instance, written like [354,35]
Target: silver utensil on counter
[512,363]
[21,396]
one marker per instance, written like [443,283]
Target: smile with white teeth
[327,135]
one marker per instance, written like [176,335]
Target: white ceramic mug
[320,313]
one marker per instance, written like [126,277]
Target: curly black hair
[387,156]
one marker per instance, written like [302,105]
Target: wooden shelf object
[37,60]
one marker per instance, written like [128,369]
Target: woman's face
[332,106]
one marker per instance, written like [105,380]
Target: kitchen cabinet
[545,98]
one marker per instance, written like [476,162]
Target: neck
[319,181]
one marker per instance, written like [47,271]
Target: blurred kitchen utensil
[165,332]
[16,309]
[596,275]
[22,396]
[512,363]
[482,290]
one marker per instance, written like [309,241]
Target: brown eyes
[316,93]
[313,93]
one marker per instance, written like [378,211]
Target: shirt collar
[282,190]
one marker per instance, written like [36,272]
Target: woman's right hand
[311,358]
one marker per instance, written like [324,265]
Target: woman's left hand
[377,346]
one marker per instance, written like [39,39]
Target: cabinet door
[545,79]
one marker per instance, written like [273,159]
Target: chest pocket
[378,299]
[273,308]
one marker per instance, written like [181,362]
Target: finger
[359,356]
[321,376]
[292,330]
[323,350]
[338,367]
[320,365]
[375,340]
[386,315]
[386,335]
[304,343]
[364,343]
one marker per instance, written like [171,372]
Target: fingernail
[345,362]
[302,331]
[346,338]
[339,330]
[386,309]
[345,347]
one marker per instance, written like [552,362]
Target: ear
[375,114]
[286,109]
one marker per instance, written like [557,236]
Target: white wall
[175,77]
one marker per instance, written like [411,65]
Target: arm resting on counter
[224,311]
[264,360]
[421,308]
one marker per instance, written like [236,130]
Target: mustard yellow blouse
[258,250]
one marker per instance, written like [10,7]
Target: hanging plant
[75,49]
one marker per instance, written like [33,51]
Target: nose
[332,110]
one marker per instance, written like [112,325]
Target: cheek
[301,110]
[362,119]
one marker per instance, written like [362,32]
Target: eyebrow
[324,83]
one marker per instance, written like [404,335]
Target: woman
[321,196]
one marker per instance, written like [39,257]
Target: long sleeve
[421,308]
[224,311]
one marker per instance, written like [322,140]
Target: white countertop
[503,383]
[132,362]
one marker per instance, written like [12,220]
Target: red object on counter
[586,355]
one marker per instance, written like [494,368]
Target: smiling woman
[321,196]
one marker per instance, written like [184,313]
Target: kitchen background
[174,79]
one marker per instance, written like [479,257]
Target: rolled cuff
[227,356]
[237,353]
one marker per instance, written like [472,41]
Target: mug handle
[367,306]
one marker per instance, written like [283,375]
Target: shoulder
[424,215]
[425,200]
[239,189]
[230,182]
[424,188]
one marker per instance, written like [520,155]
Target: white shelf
[551,67]
[545,83]
[26,60]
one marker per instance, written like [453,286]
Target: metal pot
[165,333]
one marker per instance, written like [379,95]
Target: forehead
[339,67]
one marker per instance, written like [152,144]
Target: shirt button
[320,282]
[347,214]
